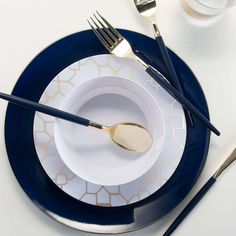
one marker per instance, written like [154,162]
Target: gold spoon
[148,9]
[128,136]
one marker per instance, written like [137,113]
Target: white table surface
[27,27]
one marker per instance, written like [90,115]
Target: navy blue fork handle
[27,104]
[173,78]
[196,199]
[160,79]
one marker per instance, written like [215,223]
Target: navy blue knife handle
[201,193]
[160,79]
[45,109]
[173,78]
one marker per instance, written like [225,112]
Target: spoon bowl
[147,8]
[129,136]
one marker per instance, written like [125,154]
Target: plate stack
[75,174]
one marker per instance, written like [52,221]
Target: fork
[117,45]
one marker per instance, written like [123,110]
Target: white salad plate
[82,161]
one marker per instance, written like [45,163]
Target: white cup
[210,7]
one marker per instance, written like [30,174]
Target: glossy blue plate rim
[40,188]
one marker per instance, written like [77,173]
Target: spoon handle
[27,104]
[171,72]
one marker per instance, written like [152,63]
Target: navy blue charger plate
[52,200]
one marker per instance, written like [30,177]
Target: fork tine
[102,40]
[102,33]
[112,29]
[105,28]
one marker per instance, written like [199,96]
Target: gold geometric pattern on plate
[175,128]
